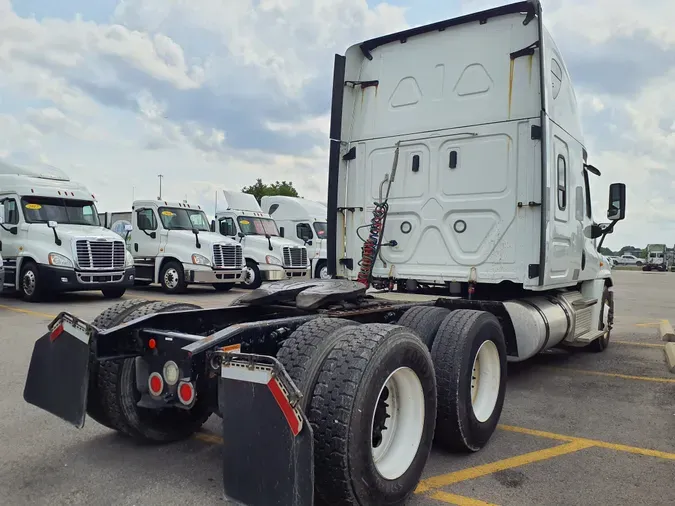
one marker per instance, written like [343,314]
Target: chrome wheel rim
[28,282]
[171,278]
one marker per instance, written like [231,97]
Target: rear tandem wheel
[113,399]
[370,396]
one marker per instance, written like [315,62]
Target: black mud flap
[268,443]
[59,370]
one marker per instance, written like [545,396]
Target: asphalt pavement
[578,428]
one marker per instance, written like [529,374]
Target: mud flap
[268,443]
[58,375]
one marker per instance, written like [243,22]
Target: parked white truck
[172,244]
[656,258]
[268,256]
[336,396]
[303,222]
[458,162]
[52,240]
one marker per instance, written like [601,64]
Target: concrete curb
[666,331]
[670,356]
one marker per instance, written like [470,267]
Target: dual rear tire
[113,396]
[377,396]
[468,350]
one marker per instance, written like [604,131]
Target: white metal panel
[457,77]
[241,201]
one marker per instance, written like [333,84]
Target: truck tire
[304,352]
[113,293]
[172,277]
[373,413]
[425,321]
[109,318]
[252,278]
[601,343]
[469,355]
[117,384]
[31,287]
[321,271]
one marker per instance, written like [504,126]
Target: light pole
[160,176]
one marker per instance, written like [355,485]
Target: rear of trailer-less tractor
[323,391]
[329,395]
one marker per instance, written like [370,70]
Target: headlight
[128,259]
[273,260]
[59,260]
[200,260]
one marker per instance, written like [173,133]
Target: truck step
[586,338]
[584,303]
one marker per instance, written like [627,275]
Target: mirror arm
[605,233]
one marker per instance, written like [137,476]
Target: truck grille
[227,257]
[103,255]
[295,257]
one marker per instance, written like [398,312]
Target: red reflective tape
[56,332]
[285,406]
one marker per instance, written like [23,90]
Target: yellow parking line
[471,473]
[615,375]
[209,438]
[646,345]
[28,311]
[592,442]
[650,324]
[458,500]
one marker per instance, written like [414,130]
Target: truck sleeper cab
[172,245]
[269,256]
[303,222]
[52,240]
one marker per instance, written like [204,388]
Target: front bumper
[278,273]
[210,276]
[69,280]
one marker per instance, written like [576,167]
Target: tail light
[186,392]
[155,384]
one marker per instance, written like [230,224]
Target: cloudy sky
[215,93]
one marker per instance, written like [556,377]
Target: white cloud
[215,94]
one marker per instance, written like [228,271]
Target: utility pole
[160,176]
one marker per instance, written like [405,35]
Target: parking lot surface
[578,428]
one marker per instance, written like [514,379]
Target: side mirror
[213,225]
[617,202]
[195,231]
[281,231]
[309,243]
[2,214]
[240,235]
[52,224]
[128,227]
[594,231]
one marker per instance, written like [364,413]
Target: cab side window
[11,211]
[304,231]
[146,220]
[227,227]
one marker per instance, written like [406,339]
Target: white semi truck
[172,244]
[52,240]
[656,258]
[268,256]
[465,133]
[303,222]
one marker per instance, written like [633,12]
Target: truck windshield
[257,226]
[62,211]
[178,218]
[321,229]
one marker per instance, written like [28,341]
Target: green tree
[260,189]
